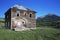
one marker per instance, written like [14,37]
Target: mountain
[48,20]
[50,17]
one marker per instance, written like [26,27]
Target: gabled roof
[20,7]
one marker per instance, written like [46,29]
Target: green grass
[41,33]
[2,23]
[2,19]
[38,34]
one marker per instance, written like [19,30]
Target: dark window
[17,14]
[30,15]
[25,14]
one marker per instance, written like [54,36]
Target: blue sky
[42,7]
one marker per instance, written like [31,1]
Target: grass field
[38,34]
[2,23]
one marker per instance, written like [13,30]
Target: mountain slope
[48,20]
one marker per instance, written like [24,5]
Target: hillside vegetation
[49,20]
[38,34]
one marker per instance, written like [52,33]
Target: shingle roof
[19,7]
